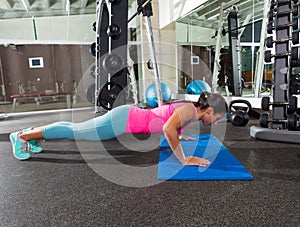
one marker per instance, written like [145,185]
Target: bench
[38,98]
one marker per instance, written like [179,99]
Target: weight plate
[113,63]
[268,56]
[295,11]
[93,49]
[265,103]
[295,63]
[94,26]
[292,122]
[292,104]
[295,84]
[273,4]
[294,54]
[263,121]
[295,38]
[270,28]
[90,94]
[120,73]
[114,31]
[270,16]
[109,94]
[269,42]
[92,71]
[295,23]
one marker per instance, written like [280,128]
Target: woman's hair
[216,101]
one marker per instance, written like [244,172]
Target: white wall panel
[59,29]
[171,10]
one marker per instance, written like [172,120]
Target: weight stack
[111,56]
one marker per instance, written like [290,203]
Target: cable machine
[110,51]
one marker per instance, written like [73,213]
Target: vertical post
[154,61]
[101,19]
[147,12]
[34,29]
[234,44]
[259,68]
[217,67]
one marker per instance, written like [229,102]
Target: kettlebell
[239,117]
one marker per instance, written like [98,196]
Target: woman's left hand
[186,138]
[195,161]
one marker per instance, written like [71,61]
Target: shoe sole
[12,143]
[35,152]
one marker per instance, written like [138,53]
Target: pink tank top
[152,120]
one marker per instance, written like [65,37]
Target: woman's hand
[195,161]
[186,138]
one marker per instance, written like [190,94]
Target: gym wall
[188,71]
[63,63]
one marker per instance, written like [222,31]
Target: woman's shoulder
[182,104]
[184,107]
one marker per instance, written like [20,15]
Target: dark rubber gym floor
[63,187]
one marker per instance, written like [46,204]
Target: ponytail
[203,100]
[216,101]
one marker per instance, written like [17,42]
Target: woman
[171,119]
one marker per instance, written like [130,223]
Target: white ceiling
[38,8]
[208,14]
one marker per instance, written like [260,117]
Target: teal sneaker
[34,147]
[33,144]
[19,148]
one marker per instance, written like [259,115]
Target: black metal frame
[108,13]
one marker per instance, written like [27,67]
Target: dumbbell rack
[284,27]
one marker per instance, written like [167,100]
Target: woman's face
[211,118]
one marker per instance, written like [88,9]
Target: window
[36,62]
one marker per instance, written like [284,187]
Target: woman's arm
[180,116]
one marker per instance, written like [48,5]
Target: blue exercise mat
[223,165]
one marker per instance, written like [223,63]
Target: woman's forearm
[179,154]
[173,140]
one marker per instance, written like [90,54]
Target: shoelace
[25,144]
[39,142]
[25,147]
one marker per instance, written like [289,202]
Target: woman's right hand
[195,161]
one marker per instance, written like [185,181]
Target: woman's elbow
[167,129]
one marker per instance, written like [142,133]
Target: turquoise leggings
[104,127]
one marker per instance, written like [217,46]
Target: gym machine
[110,52]
[235,66]
[145,7]
[234,48]
[283,125]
